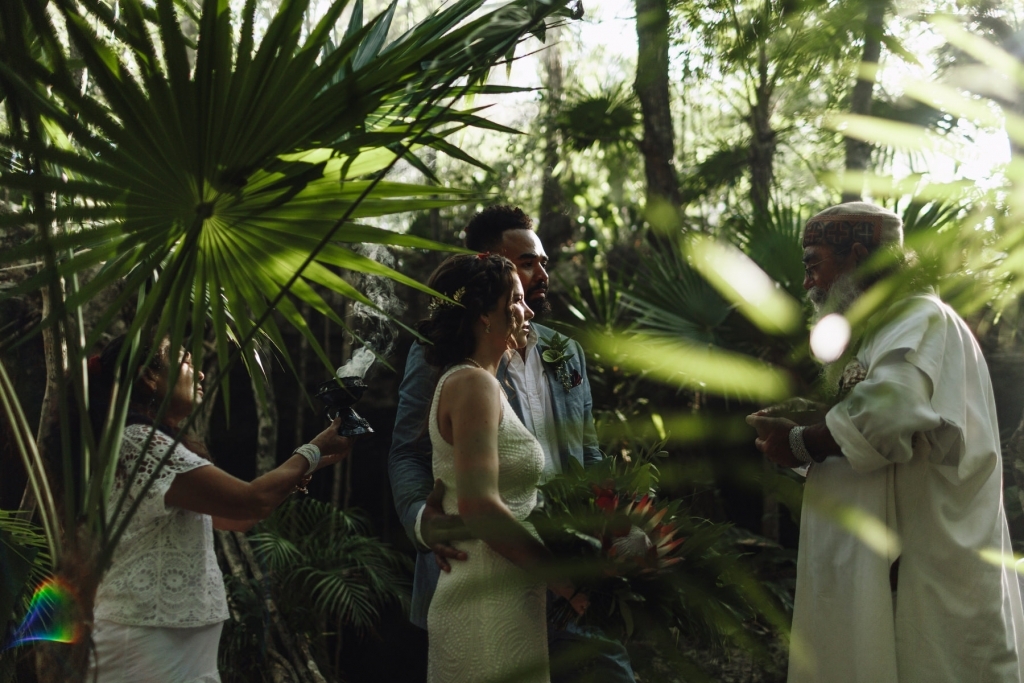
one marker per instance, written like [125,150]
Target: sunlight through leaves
[699,367]
[830,337]
[743,283]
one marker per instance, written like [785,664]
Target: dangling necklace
[475,363]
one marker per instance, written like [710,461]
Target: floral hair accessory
[437,303]
[483,254]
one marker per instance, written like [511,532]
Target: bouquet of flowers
[644,560]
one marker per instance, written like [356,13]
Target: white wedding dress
[487,619]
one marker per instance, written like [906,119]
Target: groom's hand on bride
[574,596]
[439,530]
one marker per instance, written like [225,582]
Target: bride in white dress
[487,618]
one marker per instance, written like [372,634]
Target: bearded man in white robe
[905,466]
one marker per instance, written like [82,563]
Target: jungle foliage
[174,162]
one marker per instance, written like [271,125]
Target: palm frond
[224,191]
[672,299]
[323,557]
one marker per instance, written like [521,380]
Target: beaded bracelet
[311,452]
[797,445]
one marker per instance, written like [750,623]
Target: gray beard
[836,299]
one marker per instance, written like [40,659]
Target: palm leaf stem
[25,446]
[54,291]
[186,247]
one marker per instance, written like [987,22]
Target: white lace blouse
[164,570]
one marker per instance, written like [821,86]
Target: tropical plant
[328,578]
[608,119]
[699,294]
[25,560]
[322,557]
[767,49]
[649,565]
[213,186]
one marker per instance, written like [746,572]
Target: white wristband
[311,452]
[797,445]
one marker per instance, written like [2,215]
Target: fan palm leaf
[187,172]
[226,189]
[673,299]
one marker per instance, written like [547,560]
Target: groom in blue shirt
[555,405]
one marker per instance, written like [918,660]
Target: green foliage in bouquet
[648,565]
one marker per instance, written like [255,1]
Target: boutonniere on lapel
[557,355]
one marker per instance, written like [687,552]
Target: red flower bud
[607,501]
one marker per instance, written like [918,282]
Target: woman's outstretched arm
[212,491]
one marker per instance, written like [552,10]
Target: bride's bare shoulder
[470,379]
[470,385]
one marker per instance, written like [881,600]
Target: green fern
[322,557]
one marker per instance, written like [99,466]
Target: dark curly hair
[142,403]
[485,279]
[486,230]
[102,370]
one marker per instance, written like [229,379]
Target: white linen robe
[921,479]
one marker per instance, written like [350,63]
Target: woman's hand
[577,599]
[212,491]
[333,448]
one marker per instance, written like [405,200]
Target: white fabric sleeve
[181,460]
[419,525]
[876,423]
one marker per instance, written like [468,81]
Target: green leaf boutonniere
[557,354]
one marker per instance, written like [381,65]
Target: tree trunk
[341,488]
[290,655]
[56,354]
[433,215]
[55,333]
[68,662]
[555,227]
[762,173]
[762,144]
[658,143]
[55,349]
[858,152]
[266,418]
[301,405]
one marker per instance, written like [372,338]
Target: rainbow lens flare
[50,616]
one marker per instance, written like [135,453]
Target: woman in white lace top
[160,607]
[486,620]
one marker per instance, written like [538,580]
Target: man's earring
[487,330]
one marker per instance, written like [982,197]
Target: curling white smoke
[359,364]
[373,324]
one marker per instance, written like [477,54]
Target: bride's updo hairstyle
[477,282]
